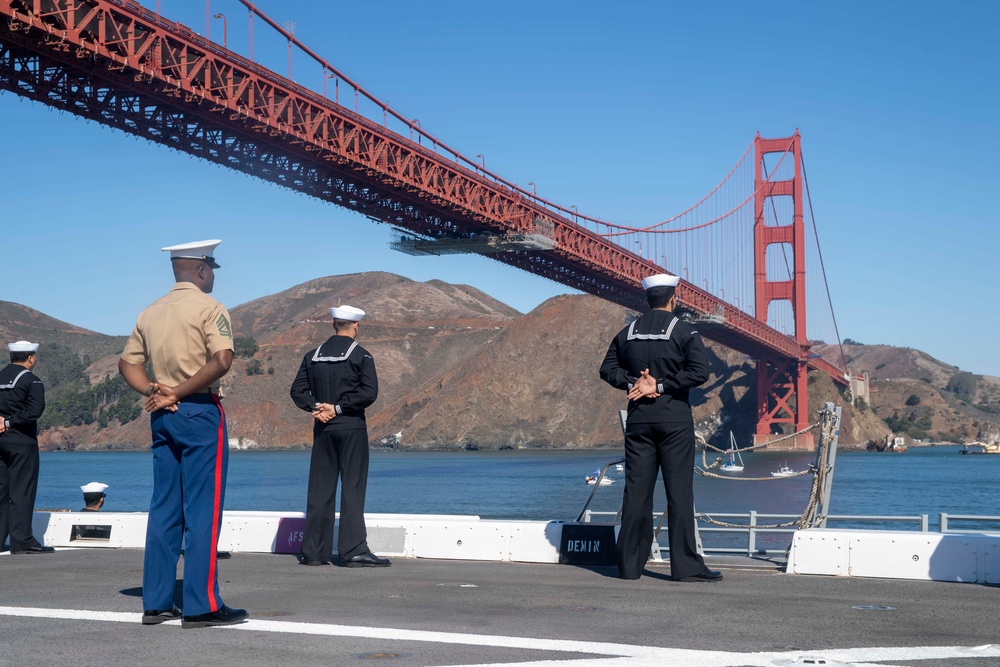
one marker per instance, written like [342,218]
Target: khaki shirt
[179,333]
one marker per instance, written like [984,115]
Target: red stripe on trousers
[217,509]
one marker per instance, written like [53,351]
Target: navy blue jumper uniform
[22,401]
[340,373]
[659,436]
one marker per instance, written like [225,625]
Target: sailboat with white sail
[734,462]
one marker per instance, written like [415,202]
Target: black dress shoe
[313,563]
[367,559]
[37,549]
[223,616]
[707,575]
[154,616]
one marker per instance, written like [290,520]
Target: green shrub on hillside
[245,346]
[70,399]
[963,385]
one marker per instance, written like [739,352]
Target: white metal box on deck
[957,557]
[461,540]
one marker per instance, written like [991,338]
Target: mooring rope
[808,516]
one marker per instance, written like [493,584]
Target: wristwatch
[6,423]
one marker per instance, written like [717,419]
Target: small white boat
[734,462]
[605,481]
[784,471]
[620,467]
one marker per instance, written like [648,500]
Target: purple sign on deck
[289,539]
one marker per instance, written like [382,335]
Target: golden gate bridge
[741,251]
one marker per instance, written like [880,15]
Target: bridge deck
[83,606]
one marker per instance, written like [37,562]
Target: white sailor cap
[22,346]
[660,280]
[203,250]
[94,487]
[349,313]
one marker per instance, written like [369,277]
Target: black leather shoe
[707,575]
[367,559]
[313,563]
[223,616]
[37,549]
[154,616]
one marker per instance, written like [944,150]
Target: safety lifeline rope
[808,516]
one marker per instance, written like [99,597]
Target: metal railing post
[830,412]
[752,533]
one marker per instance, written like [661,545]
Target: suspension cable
[624,229]
[819,249]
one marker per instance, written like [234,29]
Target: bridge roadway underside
[84,73]
[83,607]
[49,73]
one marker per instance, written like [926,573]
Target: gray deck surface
[432,612]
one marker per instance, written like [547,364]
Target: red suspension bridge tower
[782,382]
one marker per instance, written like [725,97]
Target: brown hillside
[533,384]
[19,322]
[956,410]
[897,363]
[459,369]
[413,330]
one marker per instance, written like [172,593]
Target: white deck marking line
[644,662]
[637,655]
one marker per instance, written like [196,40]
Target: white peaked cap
[203,250]
[22,346]
[349,313]
[94,487]
[660,280]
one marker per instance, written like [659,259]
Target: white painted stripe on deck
[617,654]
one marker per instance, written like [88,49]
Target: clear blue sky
[630,111]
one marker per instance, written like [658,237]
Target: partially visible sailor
[188,338]
[22,401]
[93,496]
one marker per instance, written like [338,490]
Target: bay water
[550,485]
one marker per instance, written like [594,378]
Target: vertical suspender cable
[822,266]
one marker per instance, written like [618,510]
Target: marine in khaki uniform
[187,337]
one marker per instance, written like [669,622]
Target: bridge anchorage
[127,67]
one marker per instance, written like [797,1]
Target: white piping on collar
[14,381]
[664,336]
[342,357]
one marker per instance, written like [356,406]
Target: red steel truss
[116,62]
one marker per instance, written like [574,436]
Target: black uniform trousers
[18,484]
[342,453]
[667,448]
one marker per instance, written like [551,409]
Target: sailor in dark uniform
[657,359]
[22,401]
[336,382]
